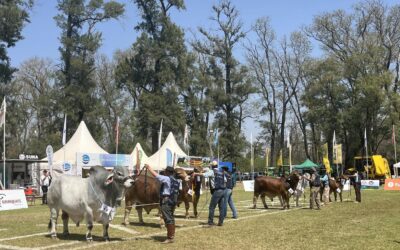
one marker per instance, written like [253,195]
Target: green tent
[306,165]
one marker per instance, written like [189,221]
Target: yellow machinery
[377,168]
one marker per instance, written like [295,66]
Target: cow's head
[180,173]
[293,178]
[121,176]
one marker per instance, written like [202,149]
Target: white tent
[158,161]
[396,168]
[142,156]
[81,141]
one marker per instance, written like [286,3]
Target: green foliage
[156,71]
[230,87]
[79,44]
[13,15]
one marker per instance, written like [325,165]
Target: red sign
[392,184]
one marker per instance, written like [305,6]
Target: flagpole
[251,156]
[4,144]
[366,150]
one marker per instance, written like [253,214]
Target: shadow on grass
[146,224]
[159,238]
[82,237]
[397,241]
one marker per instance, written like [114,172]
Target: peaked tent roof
[143,156]
[307,164]
[158,161]
[81,141]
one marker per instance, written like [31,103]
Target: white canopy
[142,155]
[158,161]
[81,141]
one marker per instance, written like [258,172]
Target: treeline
[352,87]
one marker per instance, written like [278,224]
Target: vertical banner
[49,153]
[339,157]
[169,158]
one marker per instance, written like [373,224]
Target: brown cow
[145,194]
[188,183]
[272,187]
[145,190]
[335,187]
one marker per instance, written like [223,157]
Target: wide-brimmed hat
[214,163]
[170,169]
[225,167]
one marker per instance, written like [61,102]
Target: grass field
[372,224]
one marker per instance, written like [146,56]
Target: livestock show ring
[258,222]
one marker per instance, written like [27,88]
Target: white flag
[160,135]
[64,137]
[334,138]
[3,113]
[365,139]
[186,137]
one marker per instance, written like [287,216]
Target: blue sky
[41,35]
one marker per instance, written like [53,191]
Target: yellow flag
[327,165]
[337,155]
[325,150]
[280,159]
[267,157]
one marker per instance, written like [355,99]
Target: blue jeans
[217,199]
[229,200]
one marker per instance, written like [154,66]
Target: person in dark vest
[315,184]
[230,183]
[356,182]
[169,193]
[217,182]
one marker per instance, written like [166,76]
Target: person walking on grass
[315,183]
[230,183]
[325,182]
[217,182]
[169,193]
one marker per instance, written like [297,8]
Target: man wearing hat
[315,184]
[217,182]
[169,193]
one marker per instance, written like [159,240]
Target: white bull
[94,198]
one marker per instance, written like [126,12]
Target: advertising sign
[106,160]
[12,199]
[392,184]
[369,184]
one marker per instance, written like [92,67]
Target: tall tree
[365,45]
[231,86]
[13,15]
[79,44]
[157,70]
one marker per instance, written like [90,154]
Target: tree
[79,44]
[32,101]
[231,86]
[157,70]
[14,15]
[365,46]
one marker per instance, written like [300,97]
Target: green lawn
[371,224]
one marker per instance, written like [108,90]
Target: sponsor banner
[248,186]
[12,199]
[369,184]
[392,184]
[105,160]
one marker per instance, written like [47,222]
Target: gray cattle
[94,198]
